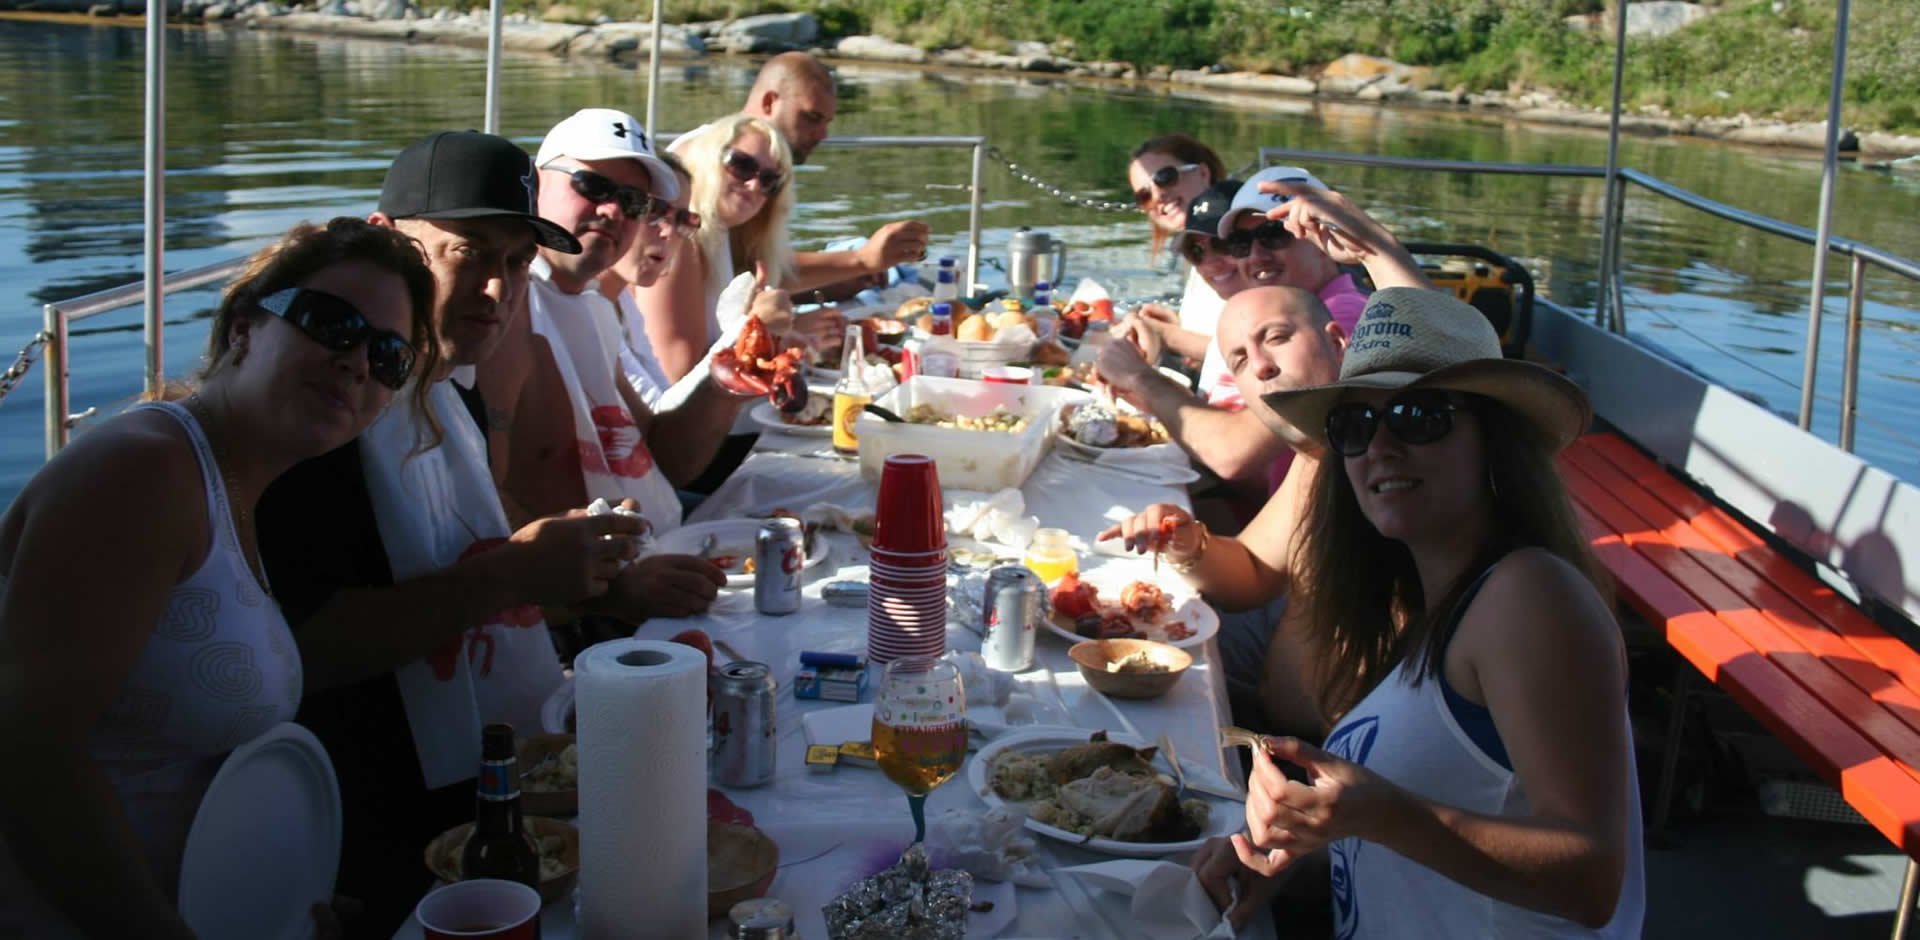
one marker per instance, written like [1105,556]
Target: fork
[1173,760]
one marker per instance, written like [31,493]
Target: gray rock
[1247,81]
[540,37]
[1030,49]
[622,39]
[389,9]
[1435,96]
[770,32]
[1160,73]
[1043,63]
[1663,17]
[217,12]
[104,9]
[705,29]
[879,49]
[1880,142]
[1346,84]
[1372,92]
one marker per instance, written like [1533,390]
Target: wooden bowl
[531,750]
[443,854]
[1094,655]
[741,862]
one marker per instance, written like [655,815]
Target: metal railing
[1609,312]
[60,314]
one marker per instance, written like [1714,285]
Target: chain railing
[22,364]
[1072,199]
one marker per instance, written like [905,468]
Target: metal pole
[53,375]
[156,197]
[973,216]
[653,72]
[1824,237]
[496,14]
[1610,224]
[1850,374]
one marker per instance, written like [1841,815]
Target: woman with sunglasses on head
[128,683]
[1169,174]
[1478,780]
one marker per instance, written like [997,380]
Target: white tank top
[614,459]
[1409,736]
[219,670]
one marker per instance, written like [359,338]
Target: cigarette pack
[821,758]
[830,683]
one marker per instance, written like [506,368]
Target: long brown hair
[1365,608]
[1186,149]
[307,249]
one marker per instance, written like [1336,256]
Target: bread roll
[913,309]
[975,329]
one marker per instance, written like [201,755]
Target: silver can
[743,732]
[762,919]
[1010,612]
[779,551]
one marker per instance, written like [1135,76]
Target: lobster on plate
[754,366]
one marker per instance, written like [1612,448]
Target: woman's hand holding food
[1161,527]
[1287,819]
[1235,889]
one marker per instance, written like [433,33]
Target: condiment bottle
[1051,556]
[500,846]
[940,356]
[851,394]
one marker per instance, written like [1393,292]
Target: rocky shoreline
[1353,78]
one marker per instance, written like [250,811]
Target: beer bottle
[500,847]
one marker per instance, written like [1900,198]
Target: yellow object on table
[1050,556]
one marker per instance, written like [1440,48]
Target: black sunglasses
[1271,234]
[1420,416]
[1163,178]
[599,190]
[1196,248]
[744,168]
[685,221]
[339,326]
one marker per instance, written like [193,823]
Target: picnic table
[835,827]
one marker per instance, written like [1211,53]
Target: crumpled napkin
[1168,901]
[1000,517]
[984,686]
[992,845]
[600,507]
[1088,290]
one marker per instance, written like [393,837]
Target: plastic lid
[946,274]
[943,310]
[948,261]
[1041,285]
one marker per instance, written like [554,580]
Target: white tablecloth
[853,813]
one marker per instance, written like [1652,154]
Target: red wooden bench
[1830,683]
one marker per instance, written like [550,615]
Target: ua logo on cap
[619,129]
[1204,208]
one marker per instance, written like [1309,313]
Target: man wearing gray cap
[414,601]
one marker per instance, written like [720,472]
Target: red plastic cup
[1006,375]
[487,908]
[908,514]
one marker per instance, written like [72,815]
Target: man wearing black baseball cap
[415,604]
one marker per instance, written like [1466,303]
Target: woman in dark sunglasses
[1165,173]
[741,168]
[1479,772]
[141,642]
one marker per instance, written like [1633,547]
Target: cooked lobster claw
[738,377]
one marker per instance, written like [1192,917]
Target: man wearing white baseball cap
[567,427]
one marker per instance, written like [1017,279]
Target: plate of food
[1104,607]
[731,547]
[815,419]
[1095,428]
[1107,792]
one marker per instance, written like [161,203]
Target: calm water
[266,130]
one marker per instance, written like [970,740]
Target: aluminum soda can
[1010,613]
[779,551]
[743,732]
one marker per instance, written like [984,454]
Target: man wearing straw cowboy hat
[1480,778]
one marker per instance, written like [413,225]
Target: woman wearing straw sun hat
[1478,780]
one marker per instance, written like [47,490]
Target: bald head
[794,91]
[1278,338]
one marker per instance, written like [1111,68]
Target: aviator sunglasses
[1273,236]
[744,168]
[599,190]
[339,326]
[1163,178]
[1420,416]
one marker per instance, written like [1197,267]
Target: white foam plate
[731,537]
[765,415]
[1226,818]
[1187,606]
[265,843]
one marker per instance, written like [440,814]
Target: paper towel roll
[641,714]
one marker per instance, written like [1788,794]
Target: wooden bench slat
[1793,620]
[1765,636]
[1814,596]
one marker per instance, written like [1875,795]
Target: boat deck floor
[1746,874]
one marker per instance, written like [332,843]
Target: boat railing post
[1605,315]
[973,213]
[653,74]
[496,17]
[1615,260]
[53,377]
[1823,239]
[1850,373]
[156,198]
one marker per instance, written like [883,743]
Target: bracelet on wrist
[1187,565]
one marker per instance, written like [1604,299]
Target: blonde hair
[761,239]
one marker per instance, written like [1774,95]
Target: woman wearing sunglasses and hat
[1478,780]
[139,641]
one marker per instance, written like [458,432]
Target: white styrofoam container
[967,460]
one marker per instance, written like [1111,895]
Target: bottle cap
[948,261]
[1041,285]
[943,310]
[946,275]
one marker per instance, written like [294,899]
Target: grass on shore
[1769,58]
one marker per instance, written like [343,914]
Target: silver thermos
[1033,257]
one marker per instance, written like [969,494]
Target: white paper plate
[731,537]
[1187,607]
[266,841]
[1226,819]
[765,415]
